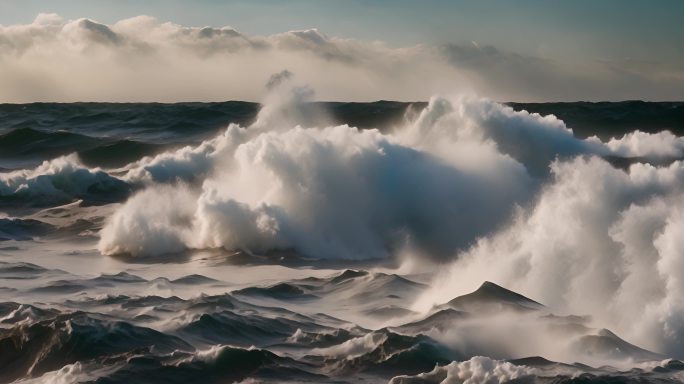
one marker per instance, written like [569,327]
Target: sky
[527,50]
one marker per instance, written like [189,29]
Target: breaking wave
[58,181]
[433,186]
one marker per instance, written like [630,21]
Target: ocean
[456,239]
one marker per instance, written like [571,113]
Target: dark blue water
[112,135]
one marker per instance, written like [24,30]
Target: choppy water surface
[460,241]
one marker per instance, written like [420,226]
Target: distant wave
[31,142]
[34,145]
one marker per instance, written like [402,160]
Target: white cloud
[143,59]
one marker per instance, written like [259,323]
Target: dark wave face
[449,241]
[608,119]
[137,121]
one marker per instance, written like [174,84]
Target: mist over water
[289,248]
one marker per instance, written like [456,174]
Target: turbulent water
[457,241]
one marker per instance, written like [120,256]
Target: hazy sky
[523,50]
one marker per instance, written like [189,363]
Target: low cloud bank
[145,59]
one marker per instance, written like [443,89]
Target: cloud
[516,76]
[143,59]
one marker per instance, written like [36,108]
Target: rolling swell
[136,121]
[154,121]
[219,364]
[119,153]
[228,327]
[18,229]
[613,119]
[31,350]
[33,146]
[390,355]
[28,142]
